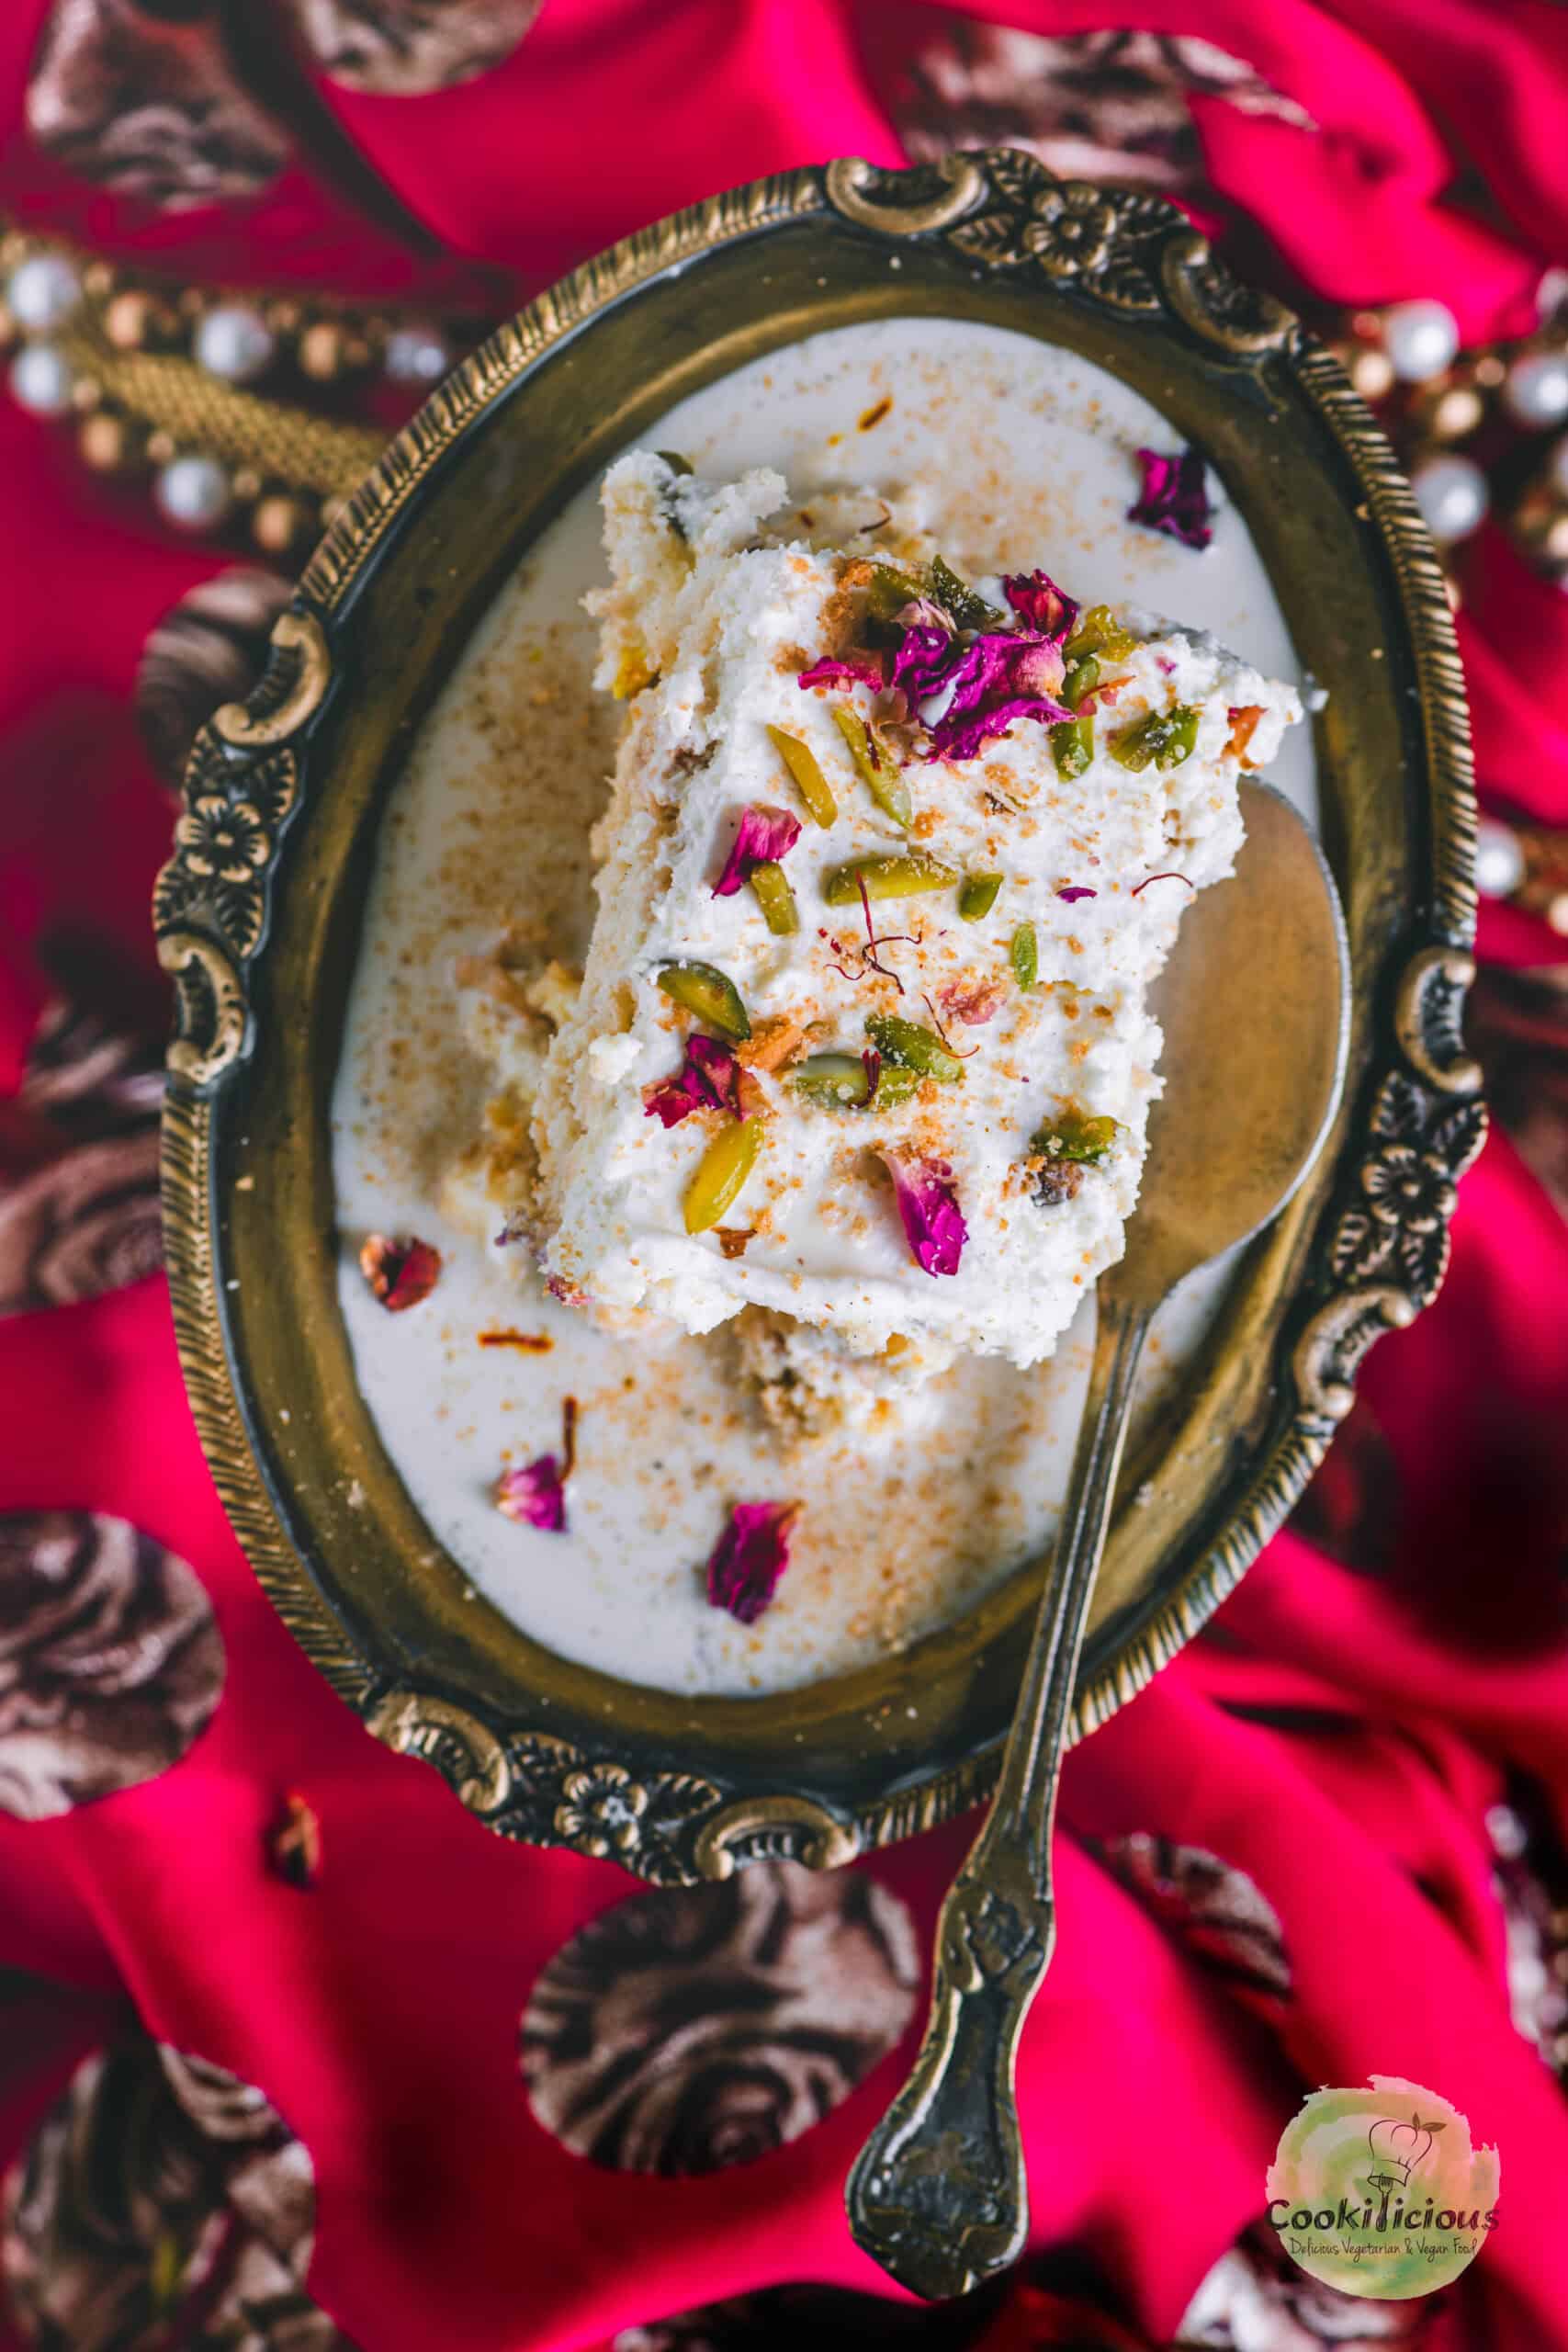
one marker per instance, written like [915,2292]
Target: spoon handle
[938,2195]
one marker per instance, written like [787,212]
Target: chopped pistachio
[770,886]
[721,1171]
[1025,954]
[809,781]
[891,589]
[886,787]
[1166,738]
[833,1078]
[977,894]
[1099,632]
[841,1081]
[967,607]
[1073,1135]
[913,1047]
[709,993]
[886,877]
[1081,679]
[1072,744]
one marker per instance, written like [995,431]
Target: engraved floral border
[1385,1249]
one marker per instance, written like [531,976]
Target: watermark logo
[1379,2192]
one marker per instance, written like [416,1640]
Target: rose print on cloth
[162,2202]
[1223,1917]
[682,2032]
[155,101]
[111,1662]
[1516,1025]
[208,648]
[79,1163]
[1100,106]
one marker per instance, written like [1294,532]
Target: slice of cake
[889,863]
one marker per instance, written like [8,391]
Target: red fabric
[379,2011]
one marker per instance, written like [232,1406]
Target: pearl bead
[1552,294]
[192,494]
[1536,390]
[42,291]
[233,342]
[1499,860]
[1421,339]
[416,356]
[41,380]
[1453,495]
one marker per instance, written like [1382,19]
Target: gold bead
[1372,372]
[1540,524]
[106,442]
[8,328]
[321,350]
[1447,412]
[130,318]
[1490,369]
[1451,591]
[247,484]
[282,316]
[86,394]
[97,280]
[1367,325]
[280,522]
[1557,919]
[160,446]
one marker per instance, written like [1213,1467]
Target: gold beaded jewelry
[191,387]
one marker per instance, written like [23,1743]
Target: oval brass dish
[258,912]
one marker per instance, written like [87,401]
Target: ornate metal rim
[1378,1257]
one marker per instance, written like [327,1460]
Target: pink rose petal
[536,1493]
[399,1272]
[933,1223]
[1174,497]
[864,669]
[765,835]
[1078,890]
[1042,605]
[750,1557]
[707,1079]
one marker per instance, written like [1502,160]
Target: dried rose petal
[861,670]
[922,612]
[536,1493]
[921,661]
[1042,605]
[872,1062]
[1174,497]
[399,1272]
[960,739]
[973,1006]
[933,1223]
[765,835]
[987,682]
[706,1080]
[750,1557]
[1076,892]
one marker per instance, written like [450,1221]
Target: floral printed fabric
[529,2104]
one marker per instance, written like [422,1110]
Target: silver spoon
[1254,1006]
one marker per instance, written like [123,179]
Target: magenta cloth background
[379,2011]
